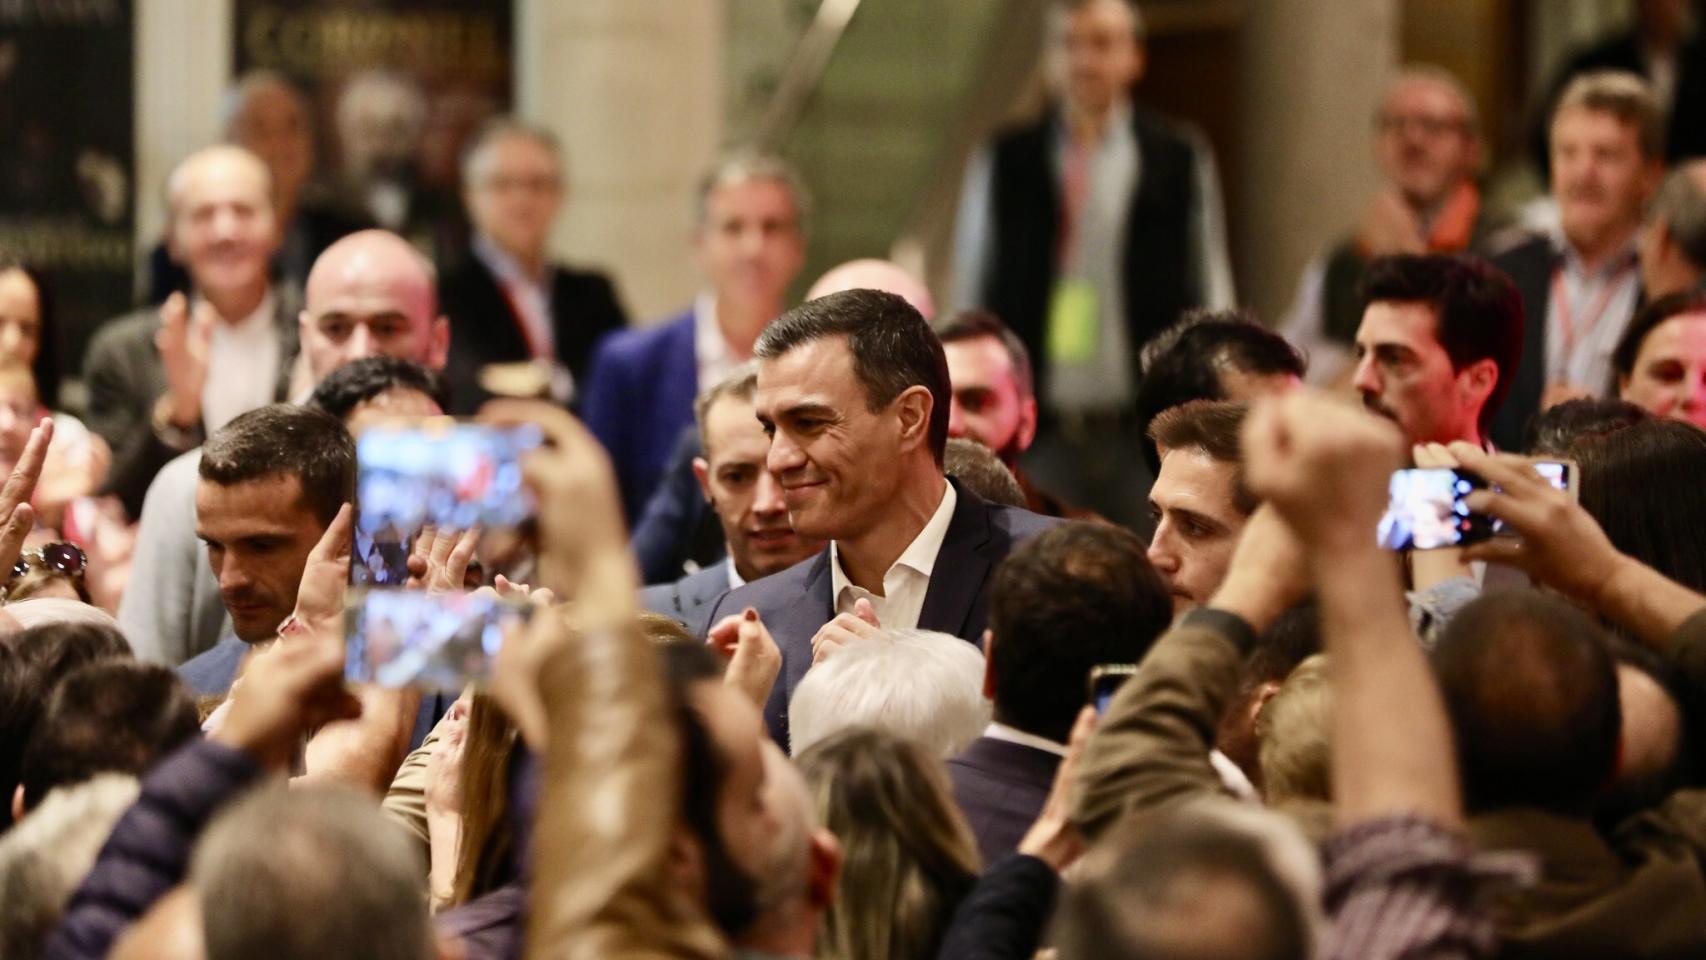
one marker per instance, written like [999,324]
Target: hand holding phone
[1428,507]
[1105,681]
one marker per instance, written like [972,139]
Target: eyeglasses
[62,558]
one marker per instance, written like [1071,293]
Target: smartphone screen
[1426,508]
[441,473]
[1105,681]
[435,641]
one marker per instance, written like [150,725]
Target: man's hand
[183,342]
[510,590]
[1325,467]
[20,517]
[287,689]
[1053,838]
[515,672]
[583,549]
[325,578]
[440,558]
[861,624]
[754,658]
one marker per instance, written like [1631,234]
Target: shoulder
[1517,246]
[781,594]
[1018,524]
[663,599]
[641,343]
[127,332]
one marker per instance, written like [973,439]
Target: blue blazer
[639,397]
[685,599]
[1001,787]
[797,601]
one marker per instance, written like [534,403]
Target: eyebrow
[1202,519]
[809,409]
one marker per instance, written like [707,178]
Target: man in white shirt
[161,380]
[853,389]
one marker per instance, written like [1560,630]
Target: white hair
[41,610]
[918,684]
[46,855]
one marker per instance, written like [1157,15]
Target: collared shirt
[529,297]
[907,579]
[735,579]
[1586,314]
[1001,731]
[242,365]
[712,355]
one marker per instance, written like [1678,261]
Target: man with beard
[1438,346]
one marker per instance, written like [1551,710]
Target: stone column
[1312,74]
[183,63]
[634,89]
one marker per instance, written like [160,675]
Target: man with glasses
[1427,143]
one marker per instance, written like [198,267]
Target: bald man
[873,274]
[369,294]
[266,114]
[1427,144]
[161,379]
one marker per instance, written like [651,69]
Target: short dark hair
[1681,205]
[892,345]
[1645,321]
[1477,310]
[971,324]
[1184,362]
[1642,484]
[1532,692]
[979,470]
[1070,598]
[285,439]
[113,716]
[1552,431]
[359,381]
[1213,427]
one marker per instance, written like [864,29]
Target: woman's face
[20,318]
[1669,376]
[19,414]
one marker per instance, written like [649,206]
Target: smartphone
[439,472]
[434,641]
[1105,681]
[1427,509]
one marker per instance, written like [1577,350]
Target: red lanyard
[1075,189]
[1561,299]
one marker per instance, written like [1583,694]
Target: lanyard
[1075,190]
[1560,297]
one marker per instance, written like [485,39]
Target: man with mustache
[1580,286]
[1439,341]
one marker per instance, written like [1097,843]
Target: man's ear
[1480,378]
[702,473]
[913,406]
[823,869]
[438,343]
[18,803]
[1027,430]
[989,665]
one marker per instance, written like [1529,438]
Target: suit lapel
[961,568]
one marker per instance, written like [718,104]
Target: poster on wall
[398,87]
[67,173]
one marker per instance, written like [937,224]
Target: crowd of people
[1057,624]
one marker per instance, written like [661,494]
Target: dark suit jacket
[797,601]
[676,524]
[484,328]
[638,398]
[1001,786]
[125,379]
[685,599]
[1005,915]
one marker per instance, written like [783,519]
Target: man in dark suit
[161,379]
[641,384]
[1070,599]
[853,389]
[507,302]
[745,498]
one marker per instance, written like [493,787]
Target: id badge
[1073,323]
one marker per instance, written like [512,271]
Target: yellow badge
[1073,323]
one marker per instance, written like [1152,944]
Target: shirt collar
[1001,731]
[710,347]
[507,269]
[1627,256]
[919,555]
[735,579]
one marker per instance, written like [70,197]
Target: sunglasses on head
[62,558]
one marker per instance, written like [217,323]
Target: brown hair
[1212,427]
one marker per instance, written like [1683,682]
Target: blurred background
[880,102]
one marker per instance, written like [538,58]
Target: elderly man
[509,302]
[746,499]
[1673,247]
[267,115]
[1427,144]
[162,379]
[853,389]
[369,294]
[1580,287]
[750,243]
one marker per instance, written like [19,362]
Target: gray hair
[45,857]
[924,686]
[740,384]
[1681,207]
[328,854]
[503,128]
[979,470]
[746,163]
[1625,96]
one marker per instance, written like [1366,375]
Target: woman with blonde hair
[909,855]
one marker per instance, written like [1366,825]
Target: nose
[767,496]
[956,419]
[231,576]
[1162,555]
[361,344]
[1365,380]
[784,455]
[11,340]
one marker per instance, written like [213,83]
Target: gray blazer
[686,599]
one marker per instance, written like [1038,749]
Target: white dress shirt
[242,366]
[713,358]
[1582,328]
[907,579]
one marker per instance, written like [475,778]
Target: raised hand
[19,517]
[440,558]
[183,340]
[754,658]
[1324,465]
[325,578]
